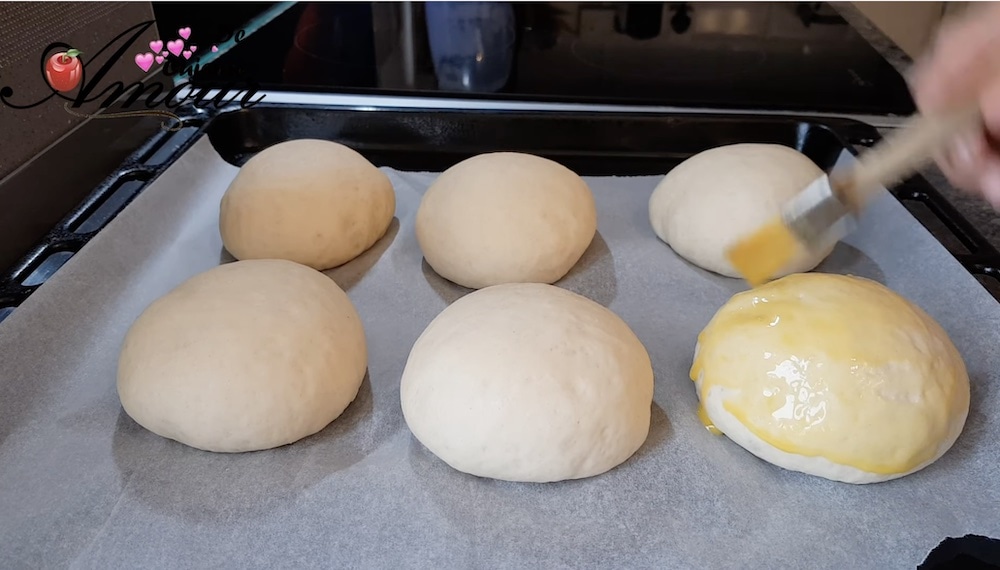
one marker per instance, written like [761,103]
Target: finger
[959,179]
[965,54]
[964,161]
[989,179]
[989,182]
[971,149]
[989,104]
[970,161]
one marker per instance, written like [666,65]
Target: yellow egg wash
[762,255]
[703,416]
[837,367]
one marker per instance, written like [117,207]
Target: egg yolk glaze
[835,367]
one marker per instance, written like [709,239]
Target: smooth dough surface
[711,200]
[505,218]
[247,356]
[528,382]
[314,202]
[833,376]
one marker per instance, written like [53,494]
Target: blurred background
[785,56]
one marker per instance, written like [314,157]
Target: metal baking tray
[82,485]
[604,144]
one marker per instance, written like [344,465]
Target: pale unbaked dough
[711,200]
[247,356]
[505,218]
[315,202]
[833,376]
[528,382]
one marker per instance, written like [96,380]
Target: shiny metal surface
[369,102]
[732,55]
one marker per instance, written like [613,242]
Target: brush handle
[902,153]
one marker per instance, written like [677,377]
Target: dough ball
[833,376]
[313,202]
[528,382]
[246,356]
[716,197]
[505,218]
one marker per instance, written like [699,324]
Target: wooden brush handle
[902,153]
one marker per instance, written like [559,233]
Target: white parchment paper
[83,486]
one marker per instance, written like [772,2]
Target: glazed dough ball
[246,356]
[505,218]
[834,376]
[314,202]
[711,200]
[528,382]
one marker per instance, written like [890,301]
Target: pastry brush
[827,209]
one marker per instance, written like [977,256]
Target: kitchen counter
[979,213]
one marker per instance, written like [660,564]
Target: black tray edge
[149,161]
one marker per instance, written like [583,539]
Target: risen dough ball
[314,202]
[711,200]
[246,356]
[505,218]
[833,376]
[528,382]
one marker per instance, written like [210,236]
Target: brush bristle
[760,256]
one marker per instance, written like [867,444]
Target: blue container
[472,44]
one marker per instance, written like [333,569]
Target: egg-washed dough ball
[528,382]
[833,376]
[505,218]
[717,197]
[314,202]
[247,356]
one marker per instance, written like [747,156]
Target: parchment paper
[83,486]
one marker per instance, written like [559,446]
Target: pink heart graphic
[215,49]
[156,45]
[144,60]
[187,54]
[175,47]
[193,48]
[159,59]
[184,33]
[164,53]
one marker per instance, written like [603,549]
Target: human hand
[964,66]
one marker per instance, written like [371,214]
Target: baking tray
[81,485]
[591,144]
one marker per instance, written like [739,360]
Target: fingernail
[963,151]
